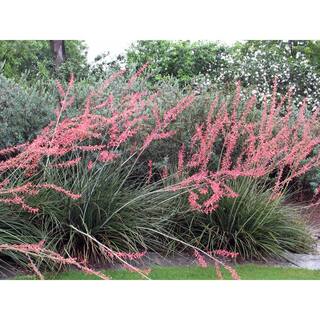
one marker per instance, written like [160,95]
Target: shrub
[88,184]
[74,155]
[252,224]
[182,60]
[204,65]
[256,63]
[113,208]
[23,112]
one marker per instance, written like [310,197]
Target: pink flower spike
[200,259]
[90,165]
[181,156]
[106,156]
[69,194]
[149,171]
[137,75]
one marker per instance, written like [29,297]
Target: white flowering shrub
[257,68]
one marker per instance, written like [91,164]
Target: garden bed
[126,171]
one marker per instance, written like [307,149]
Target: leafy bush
[256,63]
[182,60]
[23,112]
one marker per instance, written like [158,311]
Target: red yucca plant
[62,138]
[39,251]
[90,132]
[274,143]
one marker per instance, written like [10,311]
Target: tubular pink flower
[59,189]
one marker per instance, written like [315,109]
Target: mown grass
[246,272]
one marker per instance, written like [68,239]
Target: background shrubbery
[23,111]
[33,60]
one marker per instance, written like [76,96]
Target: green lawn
[246,272]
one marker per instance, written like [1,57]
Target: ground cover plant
[91,186]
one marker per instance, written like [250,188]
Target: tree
[180,59]
[33,59]
[58,52]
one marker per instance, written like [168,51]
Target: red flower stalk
[59,189]
[105,103]
[181,156]
[130,268]
[67,164]
[106,156]
[149,171]
[223,253]
[90,165]
[218,271]
[38,250]
[233,272]
[200,259]
[126,255]
[137,75]
[14,149]
[169,116]
[18,200]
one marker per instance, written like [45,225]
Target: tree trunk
[58,52]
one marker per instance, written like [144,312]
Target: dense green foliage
[183,60]
[23,111]
[251,224]
[33,58]
[207,66]
[215,65]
